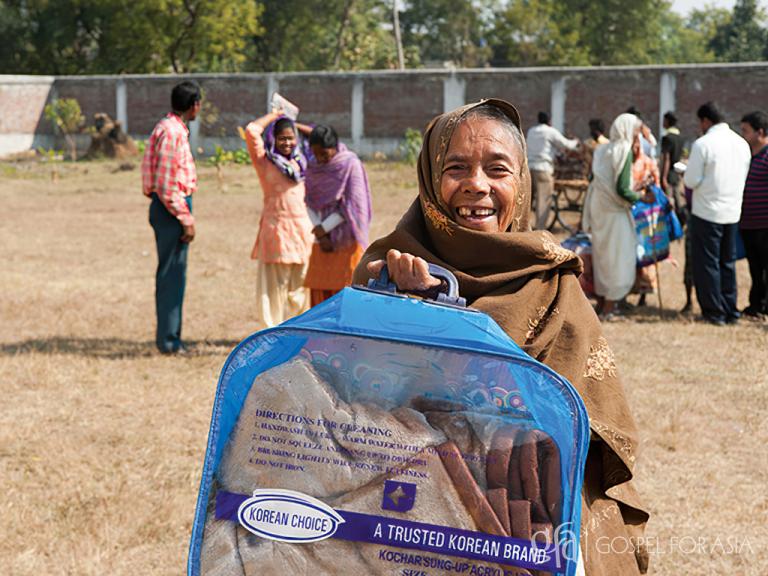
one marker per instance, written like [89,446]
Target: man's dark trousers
[714,268]
[756,247]
[171,275]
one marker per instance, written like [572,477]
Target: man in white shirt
[717,169]
[543,143]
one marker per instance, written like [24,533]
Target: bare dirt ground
[102,440]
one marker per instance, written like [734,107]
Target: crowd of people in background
[720,194]
[317,208]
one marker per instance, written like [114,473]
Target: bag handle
[452,298]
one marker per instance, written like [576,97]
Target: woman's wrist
[267,119]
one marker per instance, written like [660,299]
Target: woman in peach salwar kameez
[284,240]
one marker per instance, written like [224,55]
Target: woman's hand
[407,271]
[323,238]
[649,197]
[305,129]
[644,183]
[325,243]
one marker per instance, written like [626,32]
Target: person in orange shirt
[284,240]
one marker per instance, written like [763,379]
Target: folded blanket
[471,471]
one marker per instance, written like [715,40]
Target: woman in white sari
[608,215]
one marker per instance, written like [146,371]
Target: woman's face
[481,175]
[636,146]
[285,141]
[323,155]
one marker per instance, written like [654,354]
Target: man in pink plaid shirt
[169,179]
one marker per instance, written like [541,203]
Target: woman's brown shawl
[528,283]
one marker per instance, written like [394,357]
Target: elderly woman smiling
[472,217]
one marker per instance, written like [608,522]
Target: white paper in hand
[285,106]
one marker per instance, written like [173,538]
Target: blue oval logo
[288,516]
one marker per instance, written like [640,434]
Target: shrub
[66,115]
[411,146]
[241,156]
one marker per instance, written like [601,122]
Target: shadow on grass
[109,348]
[650,314]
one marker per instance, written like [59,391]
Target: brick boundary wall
[372,110]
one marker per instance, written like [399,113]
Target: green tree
[367,40]
[576,32]
[115,36]
[49,37]
[15,42]
[448,30]
[744,37]
[65,114]
[295,37]
[618,32]
[684,40]
[537,33]
[324,35]
[209,35]
[707,20]
[147,36]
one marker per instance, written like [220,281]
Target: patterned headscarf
[295,166]
[432,160]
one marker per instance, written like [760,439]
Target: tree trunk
[72,147]
[340,42]
[398,39]
[175,47]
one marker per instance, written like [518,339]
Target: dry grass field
[102,440]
